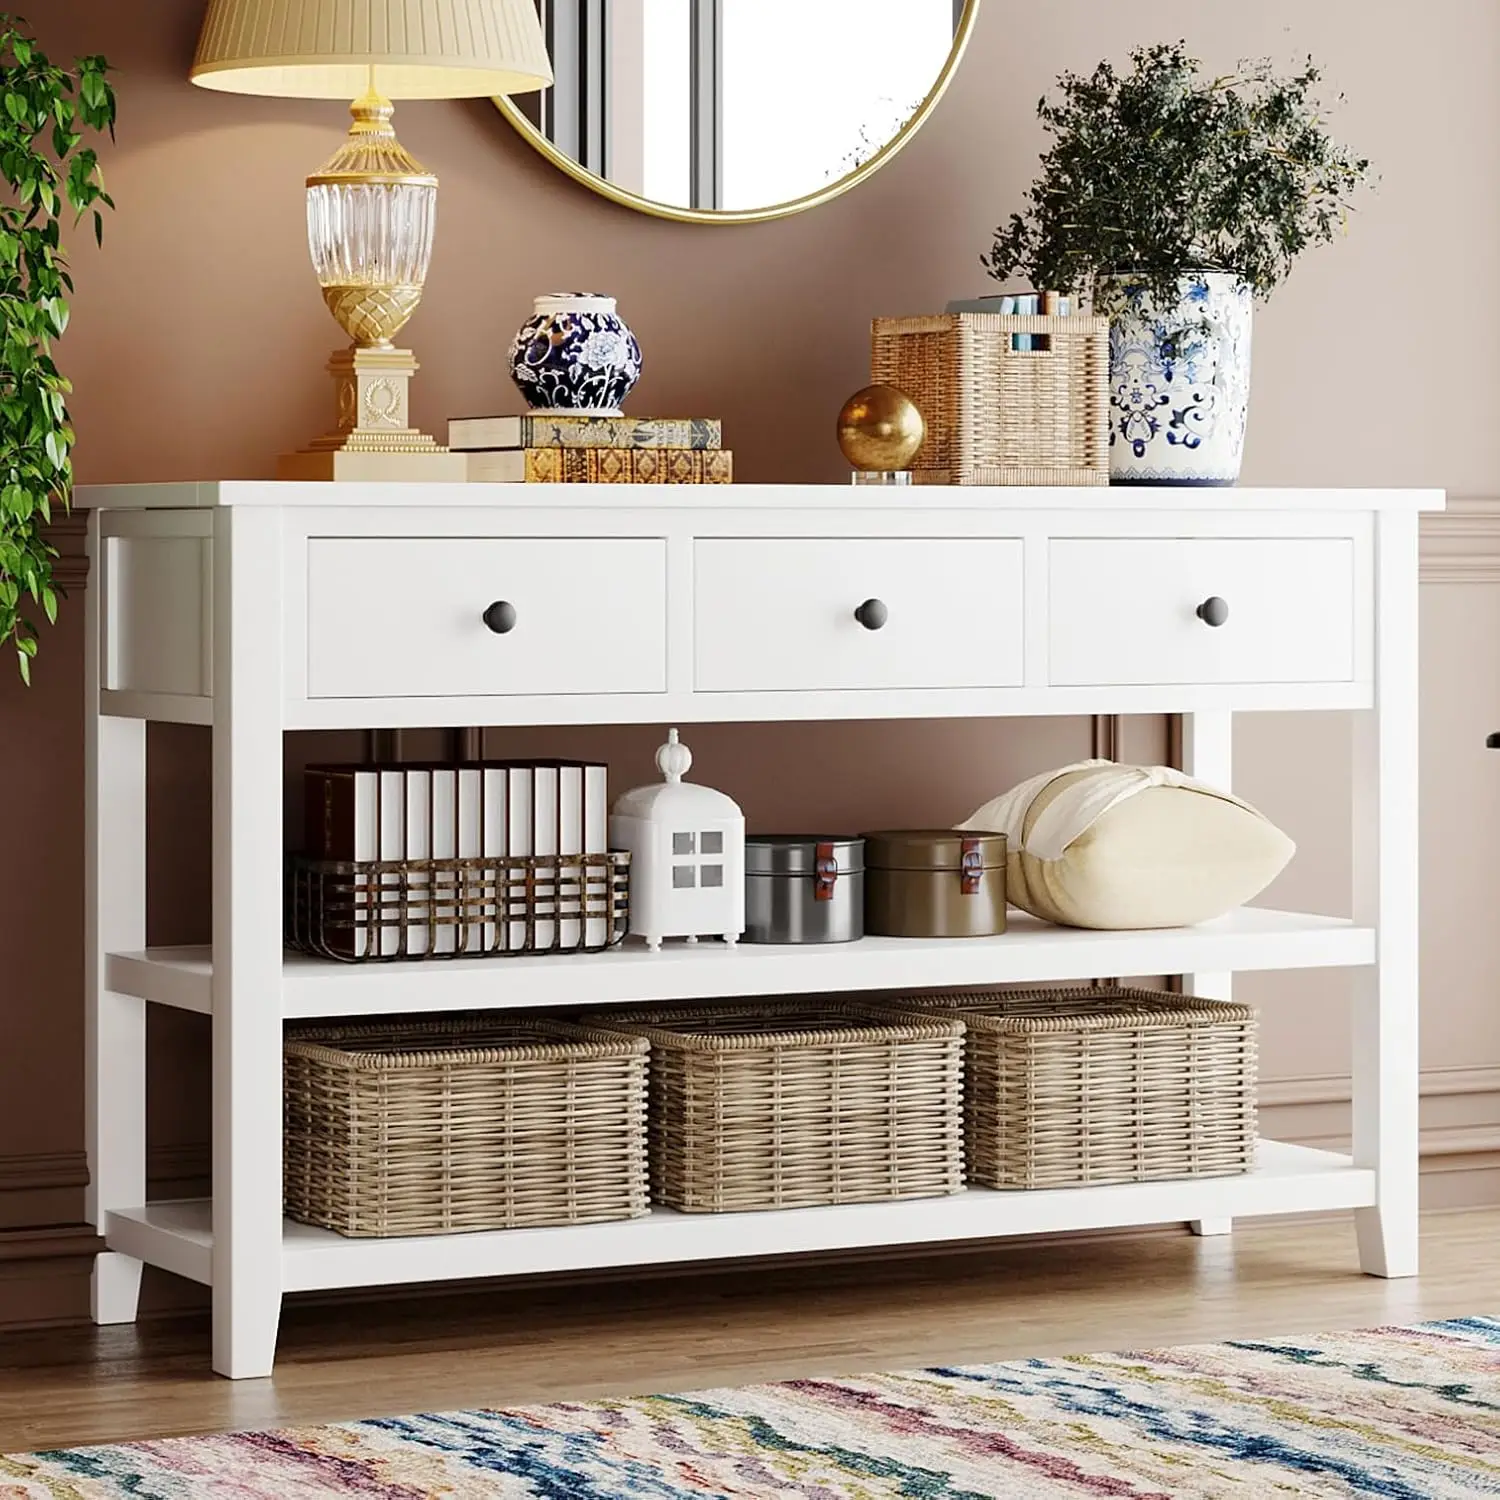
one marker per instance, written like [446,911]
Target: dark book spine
[328,831]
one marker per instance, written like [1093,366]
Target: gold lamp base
[373,439]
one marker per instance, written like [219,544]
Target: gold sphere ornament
[880,429]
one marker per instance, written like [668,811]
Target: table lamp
[371,207]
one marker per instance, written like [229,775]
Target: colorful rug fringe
[1412,1413]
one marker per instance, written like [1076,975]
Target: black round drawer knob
[1492,741]
[872,614]
[501,617]
[1213,611]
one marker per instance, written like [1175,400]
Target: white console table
[258,608]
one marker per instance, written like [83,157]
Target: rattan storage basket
[796,1103]
[443,1126]
[996,414]
[1074,1086]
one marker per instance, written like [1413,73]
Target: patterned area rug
[1406,1412]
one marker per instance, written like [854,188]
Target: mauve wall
[197,350]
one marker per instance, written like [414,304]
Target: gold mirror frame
[606,189]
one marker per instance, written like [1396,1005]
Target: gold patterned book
[626,466]
[472,434]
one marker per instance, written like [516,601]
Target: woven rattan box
[444,1126]
[1071,1086]
[997,414]
[797,1103]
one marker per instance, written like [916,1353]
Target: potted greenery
[46,169]
[1173,199]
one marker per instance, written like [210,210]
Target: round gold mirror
[731,111]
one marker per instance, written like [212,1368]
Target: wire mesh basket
[456,861]
[361,911]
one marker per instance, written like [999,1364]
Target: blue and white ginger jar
[1179,378]
[575,354]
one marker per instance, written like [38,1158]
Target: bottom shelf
[178,1236]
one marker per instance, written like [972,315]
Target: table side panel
[156,614]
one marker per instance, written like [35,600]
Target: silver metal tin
[804,889]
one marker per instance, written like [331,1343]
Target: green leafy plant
[1160,170]
[45,171]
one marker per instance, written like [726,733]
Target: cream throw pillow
[1102,845]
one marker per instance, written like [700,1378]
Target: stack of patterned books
[580,449]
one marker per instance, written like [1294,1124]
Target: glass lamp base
[881,476]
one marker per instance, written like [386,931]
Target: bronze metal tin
[934,883]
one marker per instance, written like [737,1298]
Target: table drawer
[1127,611]
[780,615]
[404,617]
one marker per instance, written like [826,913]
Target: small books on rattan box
[416,813]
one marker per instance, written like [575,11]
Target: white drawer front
[779,615]
[398,617]
[1125,611]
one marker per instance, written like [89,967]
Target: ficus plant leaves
[44,112]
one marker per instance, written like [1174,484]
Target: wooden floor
[532,1342]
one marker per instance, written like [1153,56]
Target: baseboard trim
[1462,543]
[1461,1149]
[69,534]
[55,1242]
[1460,1116]
[184,1169]
[1338,1088]
[43,1171]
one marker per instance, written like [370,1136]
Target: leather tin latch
[970,867]
[825,872]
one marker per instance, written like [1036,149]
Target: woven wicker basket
[996,414]
[438,1127]
[1066,1087]
[796,1103]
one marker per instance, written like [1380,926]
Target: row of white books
[500,809]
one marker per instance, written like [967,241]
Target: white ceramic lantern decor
[687,849]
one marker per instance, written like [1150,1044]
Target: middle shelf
[1031,951]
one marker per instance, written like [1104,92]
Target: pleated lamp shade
[325,49]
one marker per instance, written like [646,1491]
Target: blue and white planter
[1179,378]
[575,354]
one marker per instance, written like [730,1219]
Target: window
[685,843]
[711,843]
[684,877]
[713,875]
